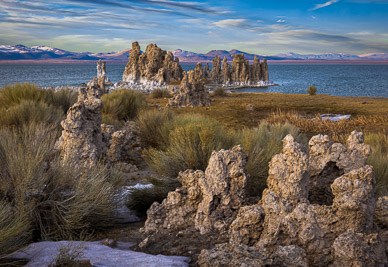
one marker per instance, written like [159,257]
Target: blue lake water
[339,80]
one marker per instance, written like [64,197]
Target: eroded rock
[153,68]
[289,231]
[191,92]
[81,139]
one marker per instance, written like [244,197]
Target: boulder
[216,75]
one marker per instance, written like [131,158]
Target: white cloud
[226,23]
[280,21]
[328,3]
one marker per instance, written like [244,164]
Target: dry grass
[337,130]
[230,110]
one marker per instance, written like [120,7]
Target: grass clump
[121,105]
[154,127]
[67,256]
[312,90]
[160,93]
[379,160]
[219,91]
[28,111]
[191,140]
[27,103]
[55,200]
[261,144]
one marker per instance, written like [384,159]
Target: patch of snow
[335,117]
[41,254]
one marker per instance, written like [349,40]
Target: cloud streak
[328,3]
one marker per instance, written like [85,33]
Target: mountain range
[21,52]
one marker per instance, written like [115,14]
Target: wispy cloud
[328,3]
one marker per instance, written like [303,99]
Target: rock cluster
[284,228]
[85,141]
[154,67]
[191,92]
[240,73]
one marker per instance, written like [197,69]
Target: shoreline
[272,62]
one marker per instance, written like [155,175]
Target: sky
[261,27]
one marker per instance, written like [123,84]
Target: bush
[11,95]
[154,127]
[379,160]
[160,93]
[60,200]
[14,229]
[122,105]
[219,91]
[312,90]
[28,111]
[191,140]
[261,144]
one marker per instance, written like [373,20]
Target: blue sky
[261,27]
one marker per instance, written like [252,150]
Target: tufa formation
[285,228]
[154,67]
[191,92]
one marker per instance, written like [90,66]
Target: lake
[339,80]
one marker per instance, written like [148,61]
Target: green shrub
[261,144]
[379,160]
[60,200]
[29,111]
[312,90]
[11,95]
[189,144]
[122,105]
[154,127]
[160,93]
[219,91]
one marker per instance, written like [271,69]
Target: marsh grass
[121,105]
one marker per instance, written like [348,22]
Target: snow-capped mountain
[326,56]
[17,52]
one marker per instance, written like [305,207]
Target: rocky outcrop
[191,92]
[81,139]
[240,73]
[297,233]
[329,160]
[155,67]
[284,228]
[86,141]
[208,200]
[216,75]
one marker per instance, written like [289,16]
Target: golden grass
[231,109]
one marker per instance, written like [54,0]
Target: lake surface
[339,80]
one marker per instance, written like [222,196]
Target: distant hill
[21,52]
